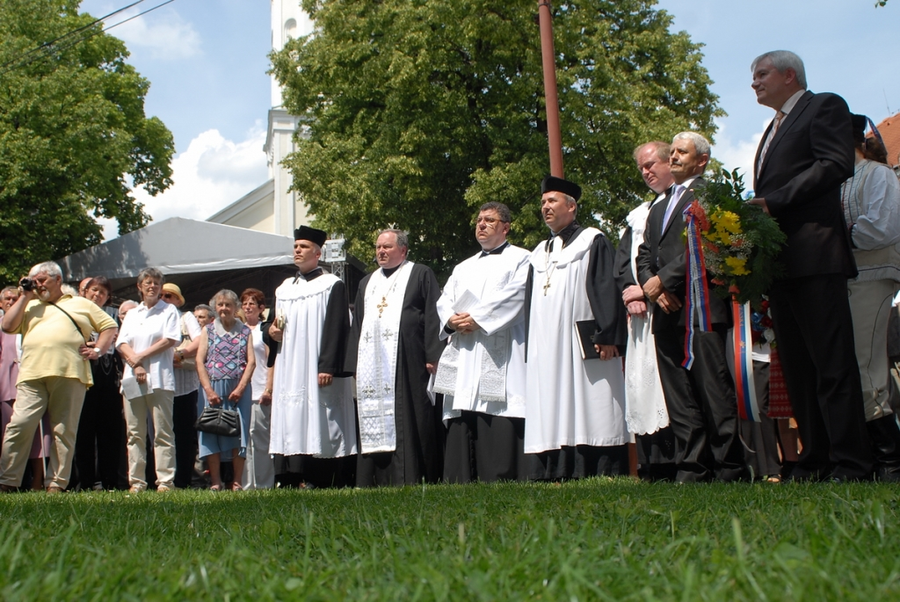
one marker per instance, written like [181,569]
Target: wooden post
[551,99]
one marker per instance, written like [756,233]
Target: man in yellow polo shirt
[54,373]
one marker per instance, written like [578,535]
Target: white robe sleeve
[503,306]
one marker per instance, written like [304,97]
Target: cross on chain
[546,286]
[382,305]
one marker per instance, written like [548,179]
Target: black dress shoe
[885,436]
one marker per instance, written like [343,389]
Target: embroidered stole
[377,366]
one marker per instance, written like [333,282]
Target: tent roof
[200,257]
[180,246]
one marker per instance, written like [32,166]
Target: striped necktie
[779,116]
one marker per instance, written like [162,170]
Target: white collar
[791,102]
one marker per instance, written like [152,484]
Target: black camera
[27,284]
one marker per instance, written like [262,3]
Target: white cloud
[737,154]
[166,35]
[210,175]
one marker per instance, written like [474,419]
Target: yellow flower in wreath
[737,266]
[730,222]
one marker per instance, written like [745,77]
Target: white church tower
[288,21]
[273,207]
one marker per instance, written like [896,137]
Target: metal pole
[548,54]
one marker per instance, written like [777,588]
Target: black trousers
[702,406]
[184,415]
[814,332]
[485,448]
[100,442]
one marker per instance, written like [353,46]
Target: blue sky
[207,60]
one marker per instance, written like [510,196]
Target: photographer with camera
[54,373]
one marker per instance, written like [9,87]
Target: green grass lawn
[587,540]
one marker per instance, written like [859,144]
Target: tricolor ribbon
[697,294]
[744,387]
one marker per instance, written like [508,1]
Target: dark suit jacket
[808,158]
[662,254]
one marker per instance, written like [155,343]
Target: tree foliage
[417,112]
[73,134]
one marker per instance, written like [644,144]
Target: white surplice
[645,405]
[484,371]
[306,418]
[569,401]
[376,370]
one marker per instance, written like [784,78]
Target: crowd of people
[527,365]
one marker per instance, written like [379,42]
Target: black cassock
[420,434]
[301,470]
[581,461]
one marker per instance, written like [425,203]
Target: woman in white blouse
[146,342]
[259,470]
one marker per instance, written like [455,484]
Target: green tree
[417,112]
[73,134]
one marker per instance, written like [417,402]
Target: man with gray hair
[396,345]
[700,400]
[54,372]
[804,156]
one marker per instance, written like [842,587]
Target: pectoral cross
[382,305]
[546,286]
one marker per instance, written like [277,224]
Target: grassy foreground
[588,540]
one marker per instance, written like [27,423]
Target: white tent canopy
[180,246]
[201,257]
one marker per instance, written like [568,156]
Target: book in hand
[584,334]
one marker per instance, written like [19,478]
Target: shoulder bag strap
[68,315]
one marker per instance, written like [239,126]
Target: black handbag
[216,421]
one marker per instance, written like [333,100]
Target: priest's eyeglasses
[490,221]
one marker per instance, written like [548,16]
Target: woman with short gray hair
[146,342]
[225,364]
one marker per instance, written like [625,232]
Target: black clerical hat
[552,183]
[311,234]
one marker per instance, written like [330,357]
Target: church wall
[259,217]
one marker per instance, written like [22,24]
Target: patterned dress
[226,360]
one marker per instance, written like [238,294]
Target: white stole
[645,405]
[376,369]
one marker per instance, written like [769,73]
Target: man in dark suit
[700,400]
[805,154]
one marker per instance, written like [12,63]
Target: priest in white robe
[482,369]
[645,404]
[575,400]
[313,424]
[396,346]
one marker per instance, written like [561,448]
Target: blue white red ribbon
[697,294]
[744,387]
